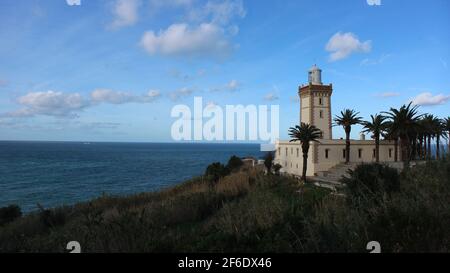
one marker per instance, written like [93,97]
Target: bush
[215,171]
[234,163]
[370,182]
[9,214]
[268,162]
[52,218]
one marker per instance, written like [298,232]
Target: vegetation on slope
[247,211]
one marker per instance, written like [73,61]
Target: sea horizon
[56,173]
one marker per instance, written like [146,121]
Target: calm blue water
[58,173]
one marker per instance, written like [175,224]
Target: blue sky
[113,70]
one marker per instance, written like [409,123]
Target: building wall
[321,114]
[360,151]
[305,109]
[292,162]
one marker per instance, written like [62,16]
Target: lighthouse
[315,102]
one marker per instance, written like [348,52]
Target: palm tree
[390,134]
[422,137]
[305,133]
[447,129]
[376,126]
[404,120]
[428,122]
[346,120]
[438,132]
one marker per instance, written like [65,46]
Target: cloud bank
[342,45]
[61,104]
[428,99]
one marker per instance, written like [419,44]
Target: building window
[390,153]
[374,152]
[296,165]
[291,164]
[326,153]
[343,153]
[286,151]
[279,151]
[292,151]
[359,153]
[321,114]
[297,152]
[320,101]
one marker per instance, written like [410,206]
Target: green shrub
[234,163]
[370,183]
[9,214]
[215,171]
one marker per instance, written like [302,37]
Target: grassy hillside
[250,212]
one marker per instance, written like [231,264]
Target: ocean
[63,173]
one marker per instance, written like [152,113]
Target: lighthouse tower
[315,102]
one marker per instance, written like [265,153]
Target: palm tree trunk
[438,140]
[377,148]
[424,140]
[396,149]
[429,147]
[405,148]
[305,166]
[347,145]
[420,147]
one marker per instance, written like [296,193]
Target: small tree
[216,170]
[234,163]
[276,168]
[268,162]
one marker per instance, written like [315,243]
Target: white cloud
[118,97]
[231,86]
[62,104]
[374,2]
[427,99]
[206,32]
[218,12]
[51,103]
[73,2]
[182,92]
[388,94]
[342,45]
[271,97]
[125,13]
[180,39]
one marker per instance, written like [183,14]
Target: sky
[98,70]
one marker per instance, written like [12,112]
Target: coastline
[247,211]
